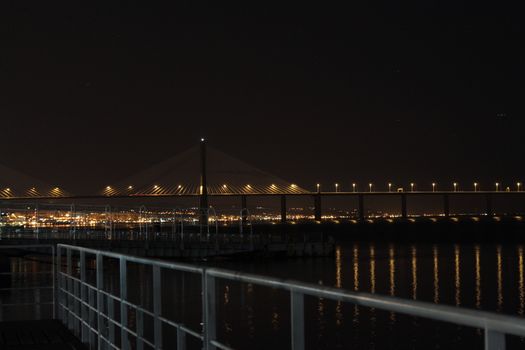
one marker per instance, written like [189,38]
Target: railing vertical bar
[124,343]
[140,329]
[208,307]
[91,316]
[111,325]
[494,340]
[37,303]
[58,294]
[53,276]
[157,306]
[69,288]
[83,296]
[181,339]
[76,308]
[100,300]
[297,311]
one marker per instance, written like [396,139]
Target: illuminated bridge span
[14,184]
[183,174]
[204,172]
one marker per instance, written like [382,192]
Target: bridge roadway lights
[283,209]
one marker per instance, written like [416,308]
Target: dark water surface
[478,276]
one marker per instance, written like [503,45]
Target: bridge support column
[488,199]
[361,206]
[283,209]
[446,205]
[317,207]
[243,211]
[404,206]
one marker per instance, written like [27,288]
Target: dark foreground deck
[41,335]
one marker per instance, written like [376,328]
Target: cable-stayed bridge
[204,172]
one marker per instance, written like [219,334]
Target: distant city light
[412,187]
[455,186]
[336,187]
[433,187]
[497,186]
[354,187]
[475,186]
[370,186]
[518,185]
[389,187]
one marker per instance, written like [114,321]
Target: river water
[477,276]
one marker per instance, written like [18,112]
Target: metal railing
[14,286]
[79,302]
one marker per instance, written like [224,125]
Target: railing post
[100,300]
[56,282]
[83,296]
[69,289]
[140,329]
[76,308]
[297,311]
[494,340]
[91,316]
[157,306]
[37,303]
[111,316]
[123,307]
[181,339]
[208,307]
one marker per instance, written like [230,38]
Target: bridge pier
[244,208]
[317,207]
[446,205]
[490,210]
[361,206]
[283,209]
[404,206]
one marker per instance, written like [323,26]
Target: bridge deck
[37,335]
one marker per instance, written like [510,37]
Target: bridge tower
[203,188]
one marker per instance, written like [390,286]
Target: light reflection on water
[481,276]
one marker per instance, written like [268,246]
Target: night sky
[413,91]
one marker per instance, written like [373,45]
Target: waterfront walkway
[41,335]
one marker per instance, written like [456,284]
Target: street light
[336,187]
[411,187]
[518,185]
[475,186]
[353,186]
[497,186]
[370,185]
[455,186]
[433,187]
[389,187]
[318,187]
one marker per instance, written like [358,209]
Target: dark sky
[412,91]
